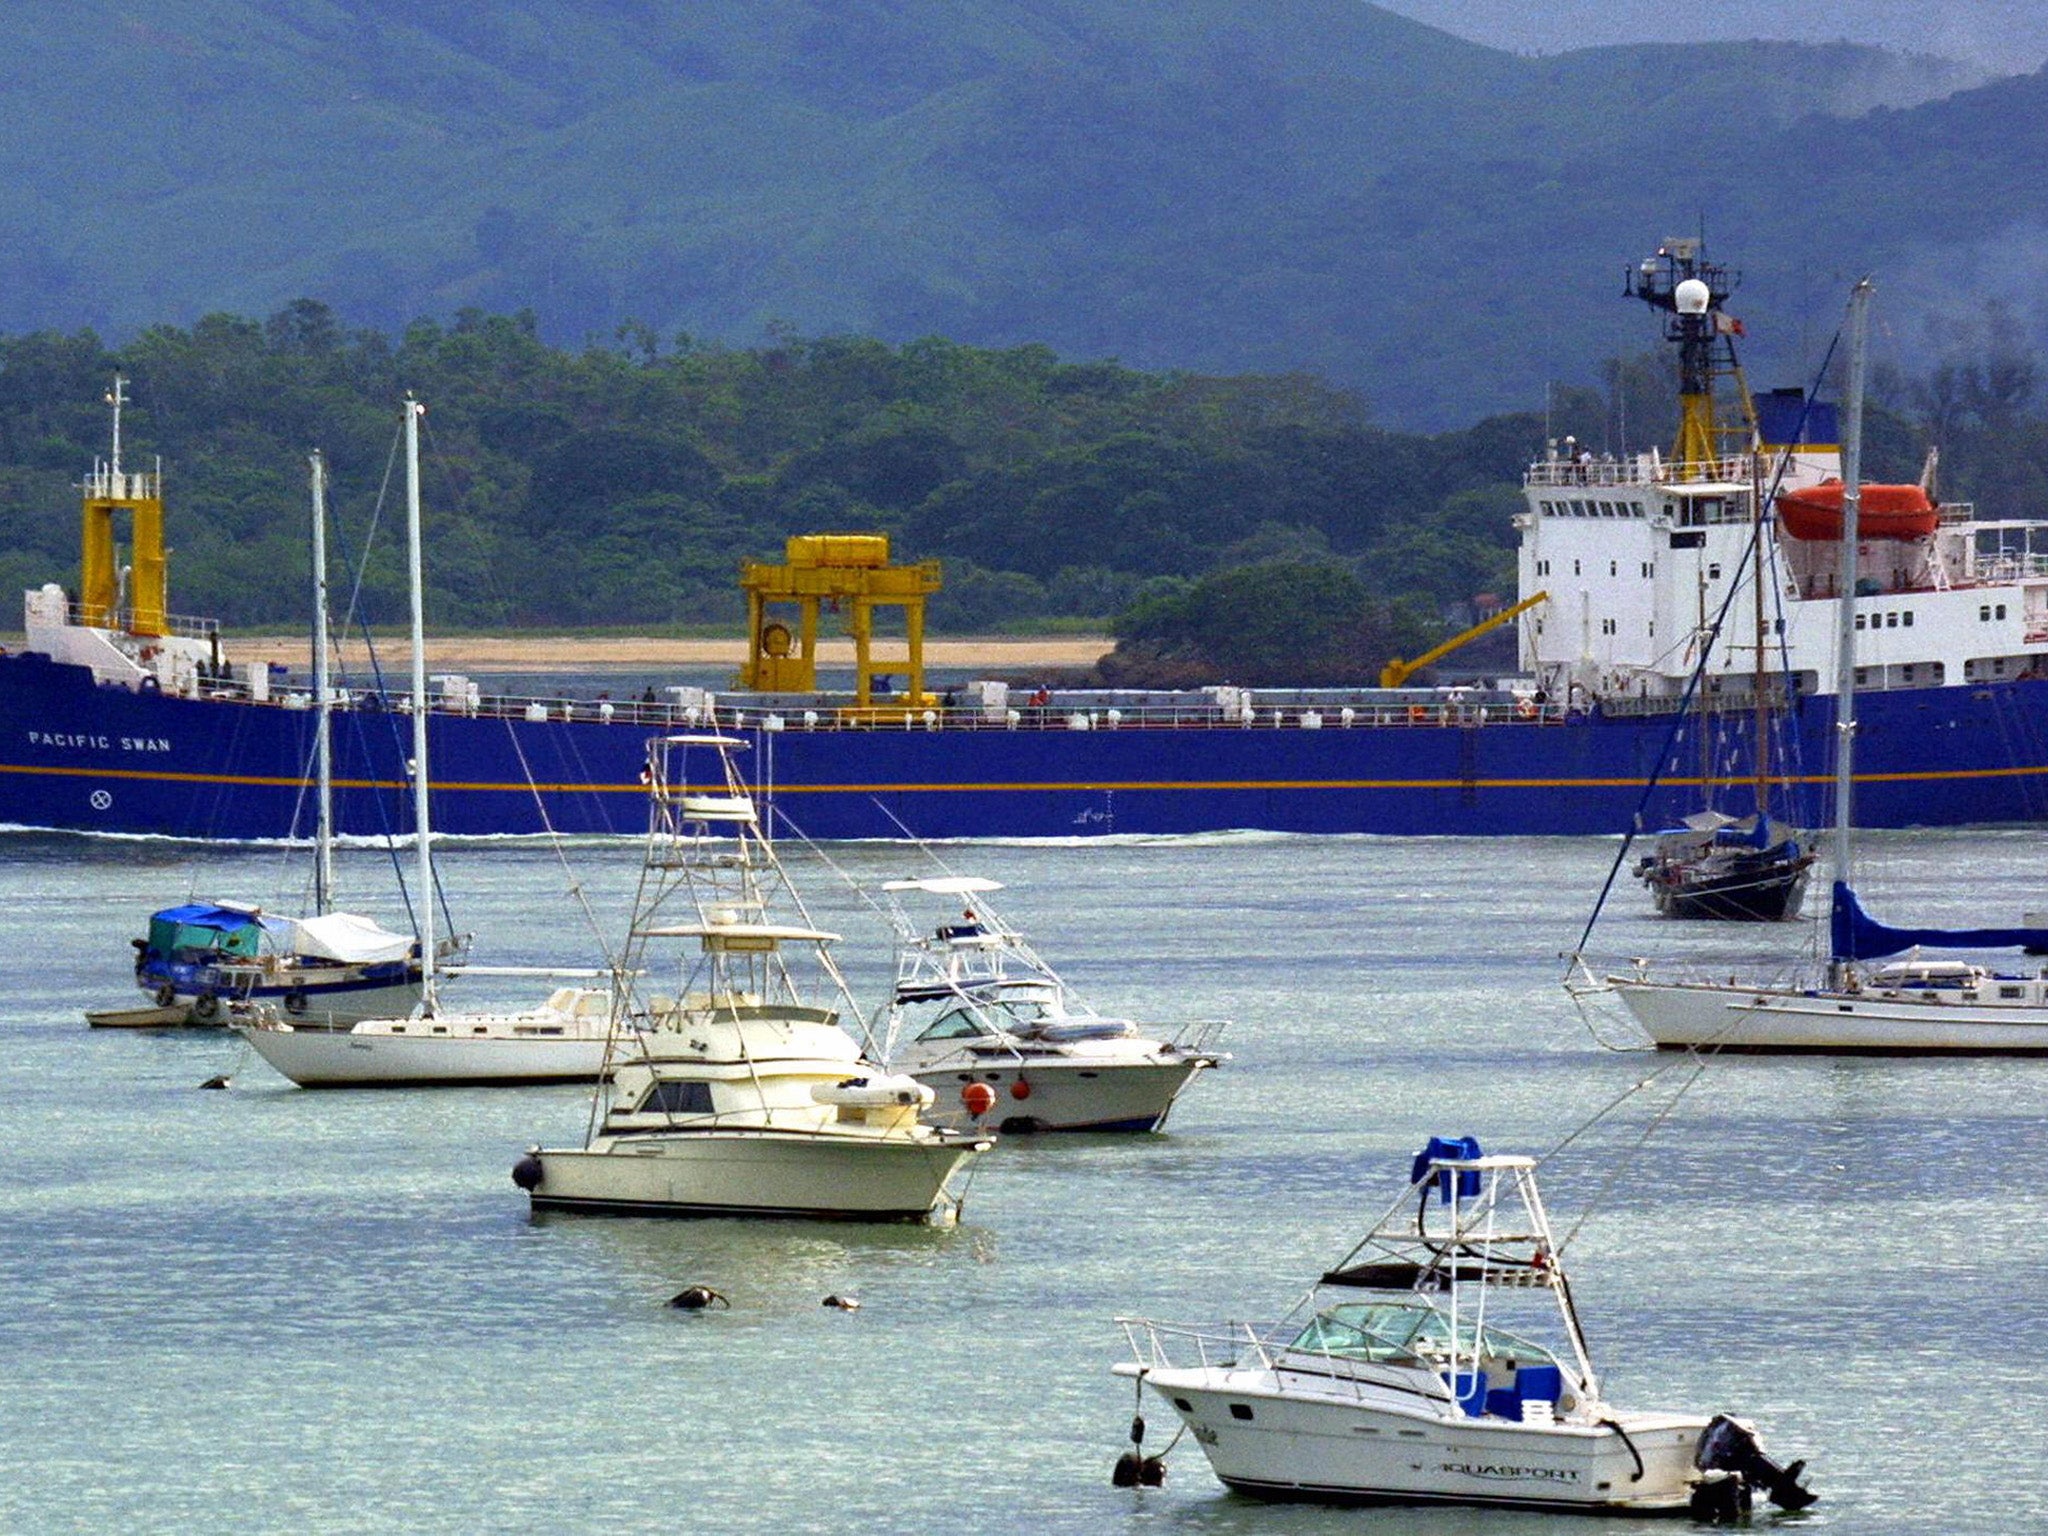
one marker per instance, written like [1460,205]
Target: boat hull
[316,1004]
[1283,1445]
[76,755]
[1760,892]
[738,1172]
[339,1058]
[1680,1016]
[1070,1095]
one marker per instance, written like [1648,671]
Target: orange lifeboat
[1883,512]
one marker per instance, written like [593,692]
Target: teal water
[267,1309]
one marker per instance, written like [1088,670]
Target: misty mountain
[1212,185]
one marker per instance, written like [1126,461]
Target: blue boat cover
[1856,935]
[1460,1147]
[204,914]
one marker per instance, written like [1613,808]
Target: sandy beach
[572,653]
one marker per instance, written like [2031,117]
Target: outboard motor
[1728,1445]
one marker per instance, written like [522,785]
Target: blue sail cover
[1858,936]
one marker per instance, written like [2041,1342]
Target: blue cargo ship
[120,717]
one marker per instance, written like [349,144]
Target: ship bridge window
[1614,567]
[1859,621]
[1906,619]
[1984,614]
[670,1098]
[1891,621]
[1714,571]
[1638,509]
[1575,569]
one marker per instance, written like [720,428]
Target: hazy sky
[2009,36]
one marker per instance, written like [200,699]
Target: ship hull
[753,1173]
[1074,1094]
[78,756]
[1678,1016]
[339,1058]
[1277,1443]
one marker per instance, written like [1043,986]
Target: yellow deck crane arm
[1397,671]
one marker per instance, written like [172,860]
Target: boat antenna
[1845,630]
[117,397]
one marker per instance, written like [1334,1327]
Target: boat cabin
[1516,1378]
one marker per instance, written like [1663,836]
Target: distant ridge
[1215,185]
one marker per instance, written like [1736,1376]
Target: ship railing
[1198,1035]
[1637,469]
[104,484]
[1383,710]
[1168,1346]
[2007,566]
[190,626]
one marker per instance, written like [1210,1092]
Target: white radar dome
[1692,297]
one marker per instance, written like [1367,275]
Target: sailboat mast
[1845,635]
[323,719]
[1759,724]
[421,824]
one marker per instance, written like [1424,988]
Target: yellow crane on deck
[1397,671]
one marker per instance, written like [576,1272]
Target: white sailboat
[979,1017]
[564,1039]
[742,1096]
[1910,1006]
[199,960]
[1398,1380]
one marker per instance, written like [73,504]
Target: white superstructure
[1642,553]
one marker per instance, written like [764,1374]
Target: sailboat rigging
[199,960]
[564,1039]
[1716,865]
[1909,1006]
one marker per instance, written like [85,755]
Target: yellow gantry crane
[850,572]
[1397,671]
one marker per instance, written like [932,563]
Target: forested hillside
[1221,186]
[622,485]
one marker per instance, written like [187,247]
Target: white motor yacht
[974,1004]
[741,1094]
[1398,1380]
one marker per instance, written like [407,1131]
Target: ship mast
[1690,291]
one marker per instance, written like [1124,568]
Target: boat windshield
[954,1024]
[1404,1332]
